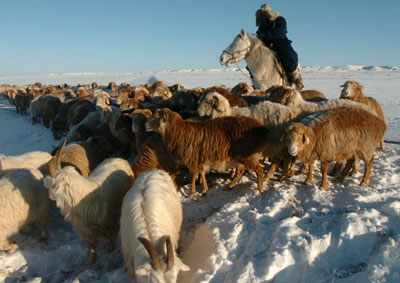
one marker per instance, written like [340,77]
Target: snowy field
[291,233]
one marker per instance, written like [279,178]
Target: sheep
[162,91]
[33,159]
[110,116]
[92,204]
[24,201]
[59,126]
[91,120]
[151,151]
[242,89]
[22,101]
[269,113]
[101,99]
[83,155]
[175,88]
[352,90]
[151,218]
[124,93]
[339,134]
[233,100]
[129,103]
[205,145]
[78,111]
[277,92]
[292,98]
[48,107]
[34,116]
[112,86]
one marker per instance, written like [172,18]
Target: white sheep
[151,218]
[352,90]
[33,159]
[101,99]
[269,113]
[293,98]
[93,204]
[24,201]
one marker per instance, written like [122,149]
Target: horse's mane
[264,54]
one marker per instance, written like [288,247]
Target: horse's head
[237,50]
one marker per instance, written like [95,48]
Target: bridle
[232,54]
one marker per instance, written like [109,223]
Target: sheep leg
[346,171]
[239,173]
[356,166]
[193,185]
[336,169]
[382,143]
[204,182]
[287,171]
[42,225]
[110,243]
[252,163]
[367,172]
[324,171]
[91,241]
[310,173]
[271,170]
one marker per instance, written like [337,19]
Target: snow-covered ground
[291,233]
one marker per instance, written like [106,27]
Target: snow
[292,232]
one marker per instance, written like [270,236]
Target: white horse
[261,60]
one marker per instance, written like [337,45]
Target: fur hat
[265,9]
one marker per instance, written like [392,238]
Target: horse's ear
[242,32]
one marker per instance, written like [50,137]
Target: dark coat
[273,34]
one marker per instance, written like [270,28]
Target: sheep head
[214,105]
[139,118]
[160,119]
[298,138]
[350,89]
[285,95]
[163,268]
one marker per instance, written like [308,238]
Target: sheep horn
[170,252]
[151,249]
[58,155]
[55,164]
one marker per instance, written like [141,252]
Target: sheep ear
[342,85]
[242,32]
[180,265]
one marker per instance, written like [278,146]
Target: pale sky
[59,36]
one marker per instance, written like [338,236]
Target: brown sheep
[48,107]
[205,145]
[352,90]
[151,152]
[233,100]
[242,89]
[83,155]
[124,93]
[22,101]
[129,103]
[79,111]
[175,88]
[340,134]
[280,93]
[71,113]
[112,86]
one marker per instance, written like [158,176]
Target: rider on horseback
[272,31]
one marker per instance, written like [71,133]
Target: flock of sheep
[121,147]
